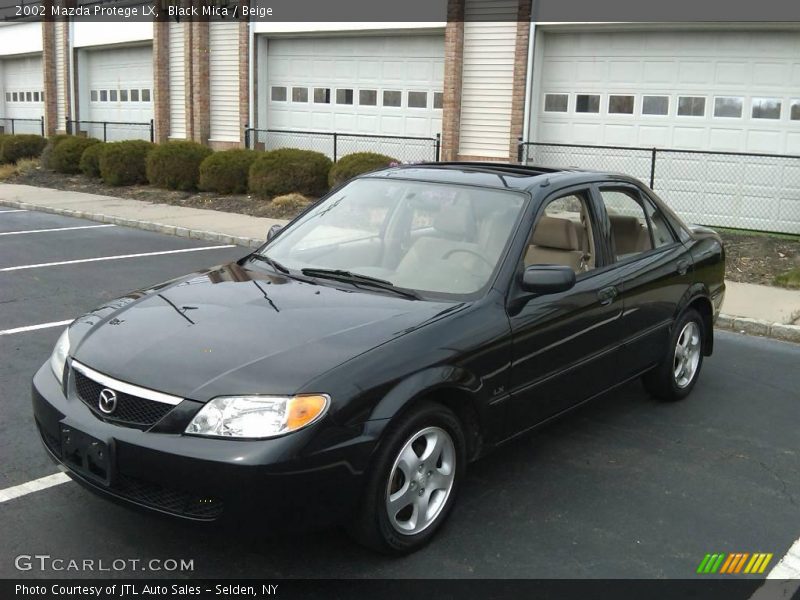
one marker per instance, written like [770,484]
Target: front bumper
[293,479]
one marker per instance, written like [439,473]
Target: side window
[630,234]
[662,234]
[563,235]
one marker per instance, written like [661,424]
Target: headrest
[624,224]
[556,233]
[455,220]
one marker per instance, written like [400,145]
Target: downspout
[526,122]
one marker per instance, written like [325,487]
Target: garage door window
[278,93]
[795,113]
[691,106]
[145,95]
[418,99]
[299,94]
[620,105]
[344,96]
[392,98]
[368,97]
[123,95]
[727,106]
[103,96]
[134,95]
[766,108]
[556,102]
[438,99]
[587,103]
[112,95]
[35,96]
[322,95]
[28,97]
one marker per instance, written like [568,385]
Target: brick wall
[161,81]
[244,76]
[453,59]
[49,75]
[201,122]
[518,98]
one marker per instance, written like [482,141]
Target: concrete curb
[780,331]
[195,234]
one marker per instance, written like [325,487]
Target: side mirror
[273,231]
[547,279]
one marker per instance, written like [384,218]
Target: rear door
[565,345]
[654,269]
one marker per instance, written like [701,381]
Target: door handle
[683,267]
[607,294]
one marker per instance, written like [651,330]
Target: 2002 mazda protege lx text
[352,367]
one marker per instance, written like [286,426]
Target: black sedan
[352,367]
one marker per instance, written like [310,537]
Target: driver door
[565,345]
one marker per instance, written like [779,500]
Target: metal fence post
[335,145]
[68,126]
[652,168]
[519,149]
[12,126]
[105,123]
[152,131]
[437,147]
[42,121]
[247,136]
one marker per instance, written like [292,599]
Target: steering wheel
[485,260]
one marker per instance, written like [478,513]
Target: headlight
[59,356]
[257,416]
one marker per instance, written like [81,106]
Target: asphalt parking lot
[625,487]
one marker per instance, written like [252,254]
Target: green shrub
[46,158]
[355,164]
[90,160]
[124,163]
[226,172]
[289,205]
[176,165]
[289,170]
[66,156]
[21,146]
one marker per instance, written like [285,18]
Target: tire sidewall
[429,415]
[688,316]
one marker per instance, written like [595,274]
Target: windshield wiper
[271,262]
[356,278]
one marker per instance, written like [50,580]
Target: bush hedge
[20,146]
[355,164]
[45,160]
[90,160]
[289,205]
[226,172]
[289,170]
[124,163]
[176,165]
[66,155]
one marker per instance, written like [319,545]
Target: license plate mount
[86,455]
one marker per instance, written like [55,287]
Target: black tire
[372,526]
[661,382]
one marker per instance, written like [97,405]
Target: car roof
[496,174]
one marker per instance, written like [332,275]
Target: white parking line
[57,229]
[15,210]
[117,257]
[35,327]
[789,566]
[33,486]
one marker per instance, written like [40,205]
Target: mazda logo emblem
[107,403]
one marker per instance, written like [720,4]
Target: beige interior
[630,235]
[555,242]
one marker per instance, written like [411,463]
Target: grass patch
[26,166]
[7,171]
[789,279]
[785,236]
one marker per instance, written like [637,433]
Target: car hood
[232,330]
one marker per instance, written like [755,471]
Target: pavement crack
[784,485]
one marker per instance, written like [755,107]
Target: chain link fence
[336,145]
[719,189]
[14,125]
[112,131]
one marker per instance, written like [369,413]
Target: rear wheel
[413,485]
[677,374]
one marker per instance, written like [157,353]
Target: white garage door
[23,92]
[712,91]
[120,84]
[388,86]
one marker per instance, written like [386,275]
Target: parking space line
[57,229]
[15,210]
[36,485]
[789,566]
[35,327]
[116,257]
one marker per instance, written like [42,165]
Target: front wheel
[414,481]
[677,374]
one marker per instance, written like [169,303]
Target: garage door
[23,92]
[120,84]
[366,85]
[713,91]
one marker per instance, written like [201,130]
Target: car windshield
[435,238]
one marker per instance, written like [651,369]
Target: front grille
[169,500]
[131,411]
